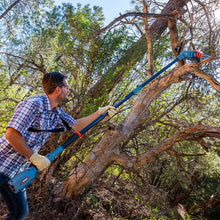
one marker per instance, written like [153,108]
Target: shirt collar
[47,106]
[47,103]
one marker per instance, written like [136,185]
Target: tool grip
[23,179]
[51,156]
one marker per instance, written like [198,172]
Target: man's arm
[18,142]
[82,122]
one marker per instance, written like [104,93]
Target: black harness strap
[52,130]
[66,124]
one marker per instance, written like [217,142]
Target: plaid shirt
[33,112]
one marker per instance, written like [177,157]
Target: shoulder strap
[65,124]
[53,130]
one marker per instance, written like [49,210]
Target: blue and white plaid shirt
[33,112]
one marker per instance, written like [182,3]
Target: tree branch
[131,56]
[37,67]
[212,81]
[149,42]
[132,163]
[129,14]
[9,8]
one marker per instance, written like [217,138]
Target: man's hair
[51,80]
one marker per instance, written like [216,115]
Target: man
[30,126]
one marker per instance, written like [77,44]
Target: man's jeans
[16,202]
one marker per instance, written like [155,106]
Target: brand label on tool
[24,180]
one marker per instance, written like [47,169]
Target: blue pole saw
[23,179]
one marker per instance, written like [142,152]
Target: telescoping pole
[24,178]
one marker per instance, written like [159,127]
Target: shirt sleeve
[23,116]
[66,117]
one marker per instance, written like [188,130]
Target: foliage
[62,39]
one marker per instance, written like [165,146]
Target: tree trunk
[107,151]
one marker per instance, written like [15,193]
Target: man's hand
[111,110]
[41,162]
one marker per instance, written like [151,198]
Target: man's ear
[57,90]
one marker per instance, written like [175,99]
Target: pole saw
[23,179]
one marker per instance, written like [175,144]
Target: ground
[104,200]
[108,198]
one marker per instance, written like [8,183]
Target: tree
[169,120]
[94,165]
[109,149]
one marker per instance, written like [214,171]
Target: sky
[111,8]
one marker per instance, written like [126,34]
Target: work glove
[111,110]
[41,162]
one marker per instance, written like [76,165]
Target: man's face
[62,97]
